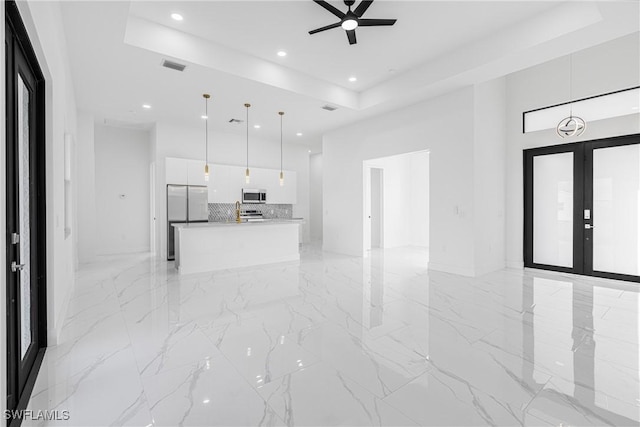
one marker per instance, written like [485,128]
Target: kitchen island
[211,246]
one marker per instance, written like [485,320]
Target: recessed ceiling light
[634,108]
[256,126]
[204,117]
[282,53]
[309,150]
[146,106]
[353,79]
[299,134]
[176,17]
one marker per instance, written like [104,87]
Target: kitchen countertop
[243,224]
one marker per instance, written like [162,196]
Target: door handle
[15,266]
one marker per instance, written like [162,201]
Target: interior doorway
[582,208]
[26,213]
[396,201]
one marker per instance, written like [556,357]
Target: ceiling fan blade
[330,8]
[328,27]
[362,7]
[351,35]
[375,22]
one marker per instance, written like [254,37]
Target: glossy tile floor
[337,340]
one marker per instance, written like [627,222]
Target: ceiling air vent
[173,65]
[236,121]
[329,107]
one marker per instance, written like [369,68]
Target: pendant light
[281,113]
[572,125]
[247,179]
[206,97]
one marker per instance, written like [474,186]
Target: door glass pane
[616,184]
[23,206]
[553,209]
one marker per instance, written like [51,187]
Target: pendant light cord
[206,130]
[247,105]
[281,114]
[571,85]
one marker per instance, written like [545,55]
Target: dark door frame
[582,199]
[20,58]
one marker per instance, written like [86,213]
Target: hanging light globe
[571,126]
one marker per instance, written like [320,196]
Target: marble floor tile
[321,396]
[381,365]
[258,351]
[339,340]
[441,398]
[95,398]
[206,394]
[158,349]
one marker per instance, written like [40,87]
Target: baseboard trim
[515,264]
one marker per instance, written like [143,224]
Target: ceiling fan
[350,20]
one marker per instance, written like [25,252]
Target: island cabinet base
[211,247]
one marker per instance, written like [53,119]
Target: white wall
[226,148]
[489,171]
[43,21]
[122,158]
[315,197]
[443,125]
[605,68]
[461,153]
[419,201]
[85,186]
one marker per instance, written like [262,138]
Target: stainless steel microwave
[251,195]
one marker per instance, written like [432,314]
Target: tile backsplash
[222,212]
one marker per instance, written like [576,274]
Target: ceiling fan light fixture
[349,24]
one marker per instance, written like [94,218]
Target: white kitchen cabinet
[287,194]
[225,183]
[195,172]
[176,171]
[260,178]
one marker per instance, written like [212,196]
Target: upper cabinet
[195,173]
[226,182]
[184,172]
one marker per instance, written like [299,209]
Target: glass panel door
[553,209]
[616,210]
[25,249]
[582,208]
[553,199]
[24,213]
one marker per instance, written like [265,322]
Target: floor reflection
[594,360]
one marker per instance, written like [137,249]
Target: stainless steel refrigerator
[185,203]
